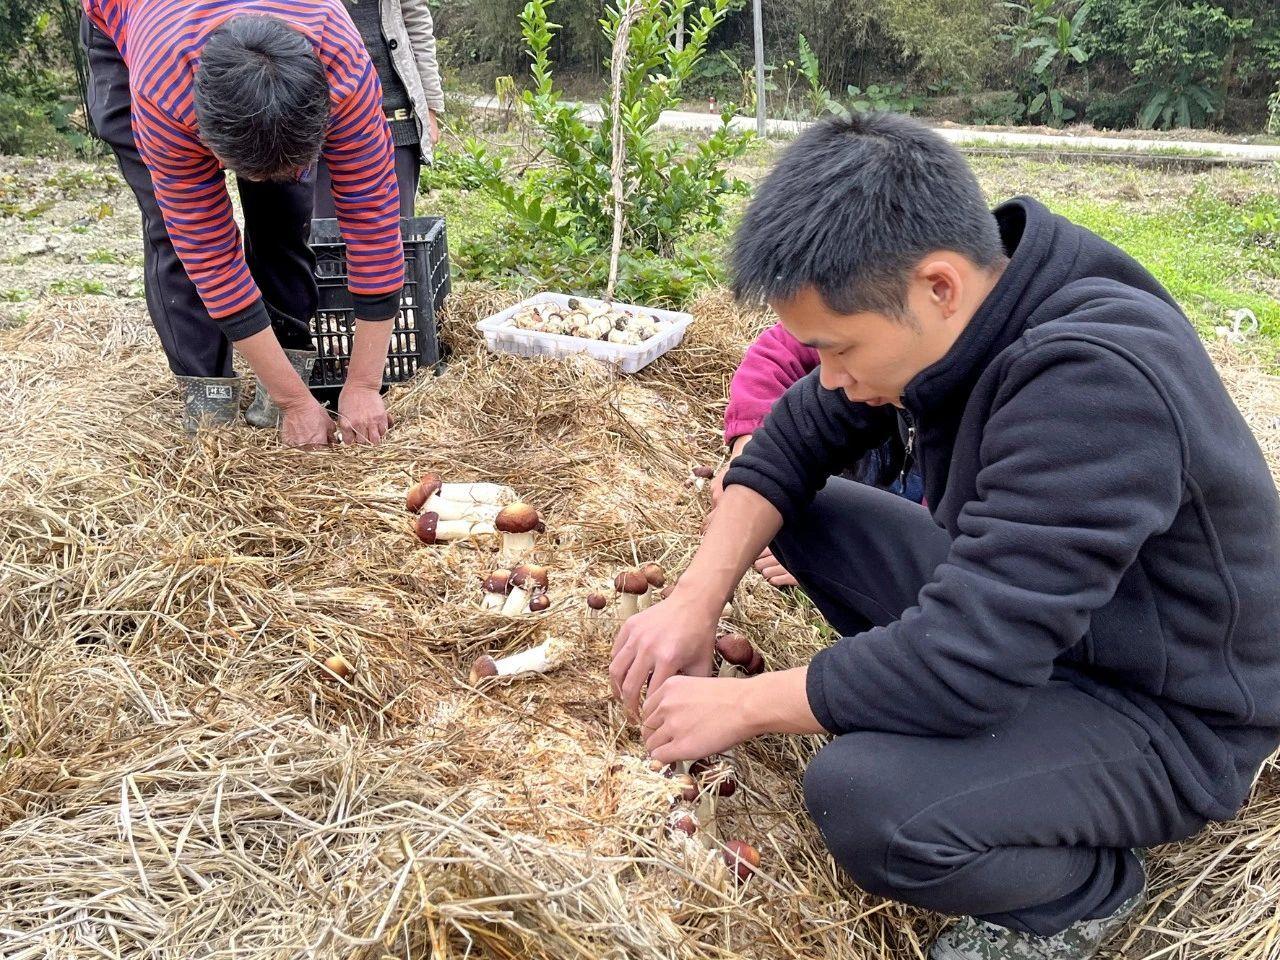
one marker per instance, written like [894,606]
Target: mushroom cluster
[639,589]
[589,321]
[695,789]
[460,511]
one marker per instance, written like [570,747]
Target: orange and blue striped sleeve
[191,191]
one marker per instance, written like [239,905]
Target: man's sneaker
[209,401]
[973,939]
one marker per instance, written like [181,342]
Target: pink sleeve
[772,364]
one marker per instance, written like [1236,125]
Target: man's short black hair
[261,97]
[852,207]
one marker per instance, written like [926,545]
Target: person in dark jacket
[1070,654]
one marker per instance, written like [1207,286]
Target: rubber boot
[263,411]
[209,401]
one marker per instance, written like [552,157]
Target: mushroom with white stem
[631,585]
[462,510]
[699,476]
[525,582]
[497,493]
[496,587]
[657,578]
[431,529]
[545,656]
[517,522]
[596,602]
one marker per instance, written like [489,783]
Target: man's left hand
[362,415]
[693,717]
[433,128]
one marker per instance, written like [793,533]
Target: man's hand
[658,643]
[306,424]
[362,414]
[433,128]
[694,717]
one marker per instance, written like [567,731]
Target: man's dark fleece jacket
[1113,521]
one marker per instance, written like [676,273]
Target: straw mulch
[181,779]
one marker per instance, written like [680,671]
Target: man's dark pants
[277,219]
[1029,824]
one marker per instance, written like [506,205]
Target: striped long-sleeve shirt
[160,43]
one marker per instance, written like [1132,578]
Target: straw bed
[182,779]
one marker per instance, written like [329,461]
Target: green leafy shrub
[1046,42]
[1182,56]
[559,227]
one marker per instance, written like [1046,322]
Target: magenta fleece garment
[772,364]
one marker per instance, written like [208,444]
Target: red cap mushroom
[630,585]
[539,602]
[735,649]
[415,499]
[485,666]
[741,858]
[517,523]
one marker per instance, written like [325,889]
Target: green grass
[78,288]
[1202,252]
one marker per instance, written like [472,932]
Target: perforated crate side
[414,344]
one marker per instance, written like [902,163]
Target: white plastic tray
[501,336]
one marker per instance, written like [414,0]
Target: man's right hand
[307,424]
[675,636]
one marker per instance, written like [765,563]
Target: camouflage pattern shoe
[263,411]
[210,401]
[973,939]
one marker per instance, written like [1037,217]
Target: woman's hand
[306,424]
[363,414]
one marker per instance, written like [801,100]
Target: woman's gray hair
[261,98]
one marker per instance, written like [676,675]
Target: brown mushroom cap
[415,499]
[688,787]
[499,581]
[726,784]
[429,485]
[656,576]
[516,518]
[597,601]
[630,581]
[741,858]
[539,603]
[685,822]
[530,577]
[757,663]
[736,649]
[485,666]
[703,473]
[425,526]
[338,665]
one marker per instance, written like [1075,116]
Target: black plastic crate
[414,343]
